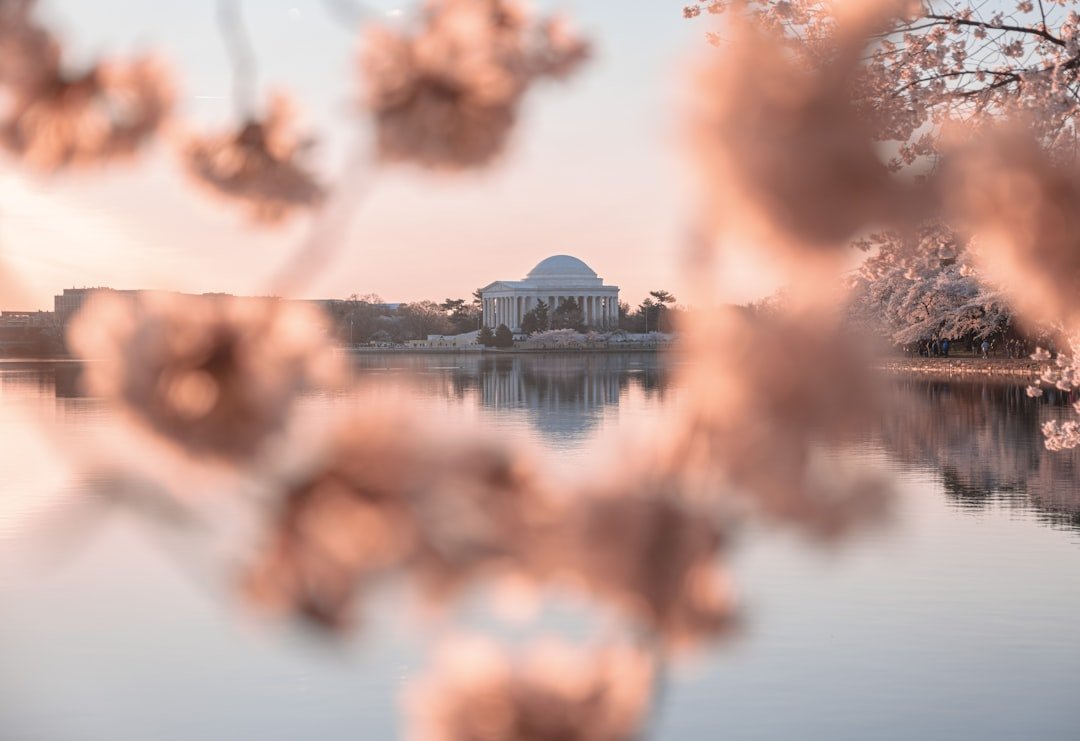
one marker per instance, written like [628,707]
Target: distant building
[68,303]
[28,334]
[553,281]
[37,319]
[466,340]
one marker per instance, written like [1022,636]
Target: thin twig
[660,687]
[241,55]
[328,228]
[349,13]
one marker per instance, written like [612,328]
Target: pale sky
[595,168]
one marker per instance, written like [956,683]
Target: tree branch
[1042,33]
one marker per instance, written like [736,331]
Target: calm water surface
[960,620]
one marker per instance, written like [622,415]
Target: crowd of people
[1013,347]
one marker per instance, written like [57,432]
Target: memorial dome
[561,266]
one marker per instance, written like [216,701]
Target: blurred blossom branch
[978,103]
[51,119]
[261,165]
[554,691]
[215,375]
[446,94]
[328,230]
[241,54]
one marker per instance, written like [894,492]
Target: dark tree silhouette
[536,320]
[503,337]
[568,315]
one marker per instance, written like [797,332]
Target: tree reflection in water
[984,440]
[981,437]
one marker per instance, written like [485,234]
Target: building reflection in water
[563,396]
[985,440]
[49,379]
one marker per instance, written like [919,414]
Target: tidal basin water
[958,620]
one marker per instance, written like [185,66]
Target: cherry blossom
[216,375]
[260,164]
[393,495]
[776,399]
[785,156]
[1021,207]
[926,287]
[651,555]
[51,119]
[935,63]
[554,691]
[447,95]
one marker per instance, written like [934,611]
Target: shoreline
[1017,369]
[503,351]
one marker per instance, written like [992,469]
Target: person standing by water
[985,348]
[945,348]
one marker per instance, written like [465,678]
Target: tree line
[367,319]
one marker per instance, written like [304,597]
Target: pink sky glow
[594,170]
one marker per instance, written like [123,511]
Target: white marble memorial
[553,281]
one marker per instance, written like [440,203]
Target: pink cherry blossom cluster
[51,118]
[259,166]
[447,95]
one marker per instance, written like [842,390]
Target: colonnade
[598,310]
